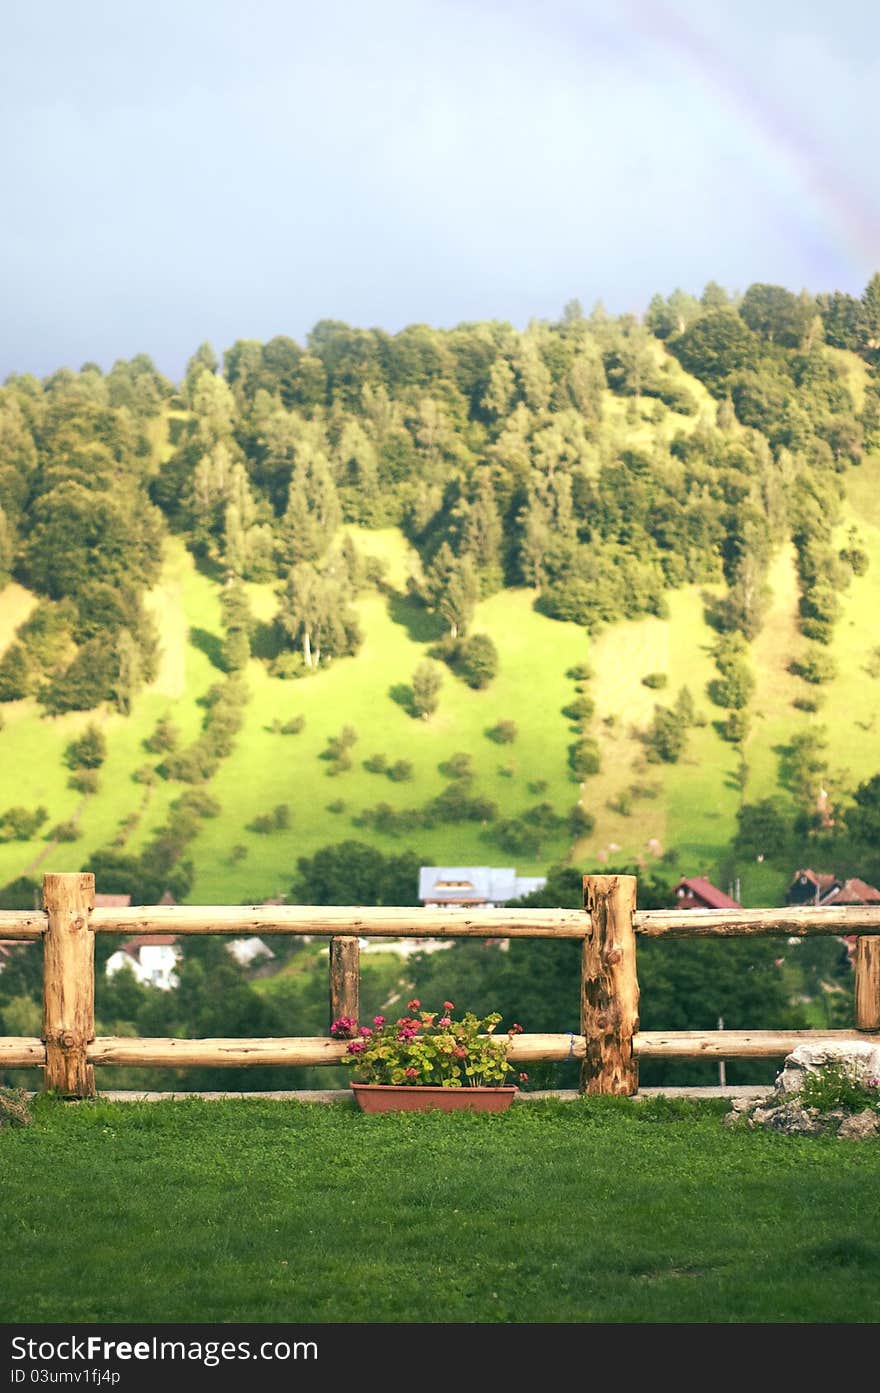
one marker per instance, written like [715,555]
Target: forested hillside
[598,590]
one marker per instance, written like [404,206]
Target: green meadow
[600,1210]
[641,810]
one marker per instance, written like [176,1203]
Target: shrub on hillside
[16,673]
[477,660]
[856,559]
[819,630]
[376,764]
[400,771]
[581,709]
[457,766]
[503,732]
[88,752]
[517,838]
[473,659]
[63,832]
[276,821]
[427,681]
[581,672]
[294,726]
[736,727]
[816,667]
[197,802]
[583,757]
[165,737]
[85,781]
[580,822]
[20,824]
[289,665]
[655,680]
[811,702]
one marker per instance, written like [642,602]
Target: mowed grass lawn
[607,1210]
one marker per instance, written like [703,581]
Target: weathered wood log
[316,1049]
[23,923]
[749,923]
[730,1044]
[182,1054]
[345,977]
[20,1051]
[69,984]
[609,986]
[867,983]
[329,920]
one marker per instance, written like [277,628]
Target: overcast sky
[187,169]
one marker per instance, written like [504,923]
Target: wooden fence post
[609,986]
[69,984]
[345,976]
[867,983]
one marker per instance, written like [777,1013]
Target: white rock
[860,1056]
[861,1125]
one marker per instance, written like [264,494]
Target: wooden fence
[609,1044]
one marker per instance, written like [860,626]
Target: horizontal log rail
[326,921]
[148,1052]
[608,1042]
[329,920]
[318,1049]
[801,922]
[23,923]
[733,1044]
[21,1051]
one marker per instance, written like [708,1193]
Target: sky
[183,170]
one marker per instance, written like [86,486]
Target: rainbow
[840,222]
[850,221]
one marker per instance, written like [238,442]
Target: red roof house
[696,892]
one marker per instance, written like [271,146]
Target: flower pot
[389,1097]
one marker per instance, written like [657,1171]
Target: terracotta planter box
[389,1097]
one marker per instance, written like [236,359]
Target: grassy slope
[695,807]
[694,812]
[580,1212]
[267,769]
[32,745]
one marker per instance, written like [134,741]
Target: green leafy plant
[428,1048]
[840,1086]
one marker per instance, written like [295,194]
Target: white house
[151,957]
[247,951]
[467,886]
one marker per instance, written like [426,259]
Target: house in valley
[696,892]
[822,888]
[151,957]
[465,887]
